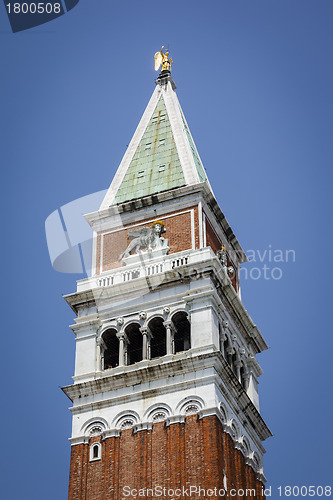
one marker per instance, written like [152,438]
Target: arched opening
[182,338]
[111,351]
[228,351]
[225,347]
[158,341]
[233,363]
[243,376]
[95,452]
[221,344]
[134,346]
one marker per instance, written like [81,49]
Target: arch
[95,452]
[157,412]
[134,345]
[256,461]
[246,447]
[126,419]
[224,413]
[108,325]
[234,430]
[182,336]
[158,346]
[111,348]
[190,405]
[94,426]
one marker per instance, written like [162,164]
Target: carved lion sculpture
[145,238]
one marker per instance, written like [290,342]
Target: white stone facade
[216,374]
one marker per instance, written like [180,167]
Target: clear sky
[254,79]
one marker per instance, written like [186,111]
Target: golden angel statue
[163,60]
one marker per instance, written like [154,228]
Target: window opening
[111,353]
[182,338]
[134,347]
[158,340]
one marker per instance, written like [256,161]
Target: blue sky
[254,79]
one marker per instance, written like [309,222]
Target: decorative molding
[143,426]
[78,440]
[175,419]
[157,410]
[126,420]
[111,433]
[94,426]
[190,405]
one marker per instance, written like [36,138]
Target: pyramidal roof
[161,155]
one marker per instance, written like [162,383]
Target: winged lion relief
[145,238]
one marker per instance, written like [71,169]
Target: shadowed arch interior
[111,351]
[182,338]
[158,341]
[134,346]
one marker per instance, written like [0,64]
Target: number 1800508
[33,8]
[303,491]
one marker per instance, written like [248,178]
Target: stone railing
[145,266]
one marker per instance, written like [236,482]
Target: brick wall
[195,453]
[179,233]
[215,243]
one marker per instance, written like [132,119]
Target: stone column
[223,337]
[145,342]
[222,340]
[230,352]
[237,368]
[122,347]
[169,337]
[246,380]
[100,348]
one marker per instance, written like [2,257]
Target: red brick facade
[215,243]
[195,453]
[179,226]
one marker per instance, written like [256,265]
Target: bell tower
[165,393]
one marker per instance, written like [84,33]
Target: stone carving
[231,271]
[95,431]
[147,238]
[222,256]
[159,416]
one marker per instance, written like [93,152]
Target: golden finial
[163,60]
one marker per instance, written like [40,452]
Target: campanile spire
[162,154]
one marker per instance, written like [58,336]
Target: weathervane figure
[163,60]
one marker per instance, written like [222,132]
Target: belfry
[165,393]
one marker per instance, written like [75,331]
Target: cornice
[222,376]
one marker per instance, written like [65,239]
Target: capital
[145,331]
[122,336]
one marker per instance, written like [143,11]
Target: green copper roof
[198,164]
[155,166]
